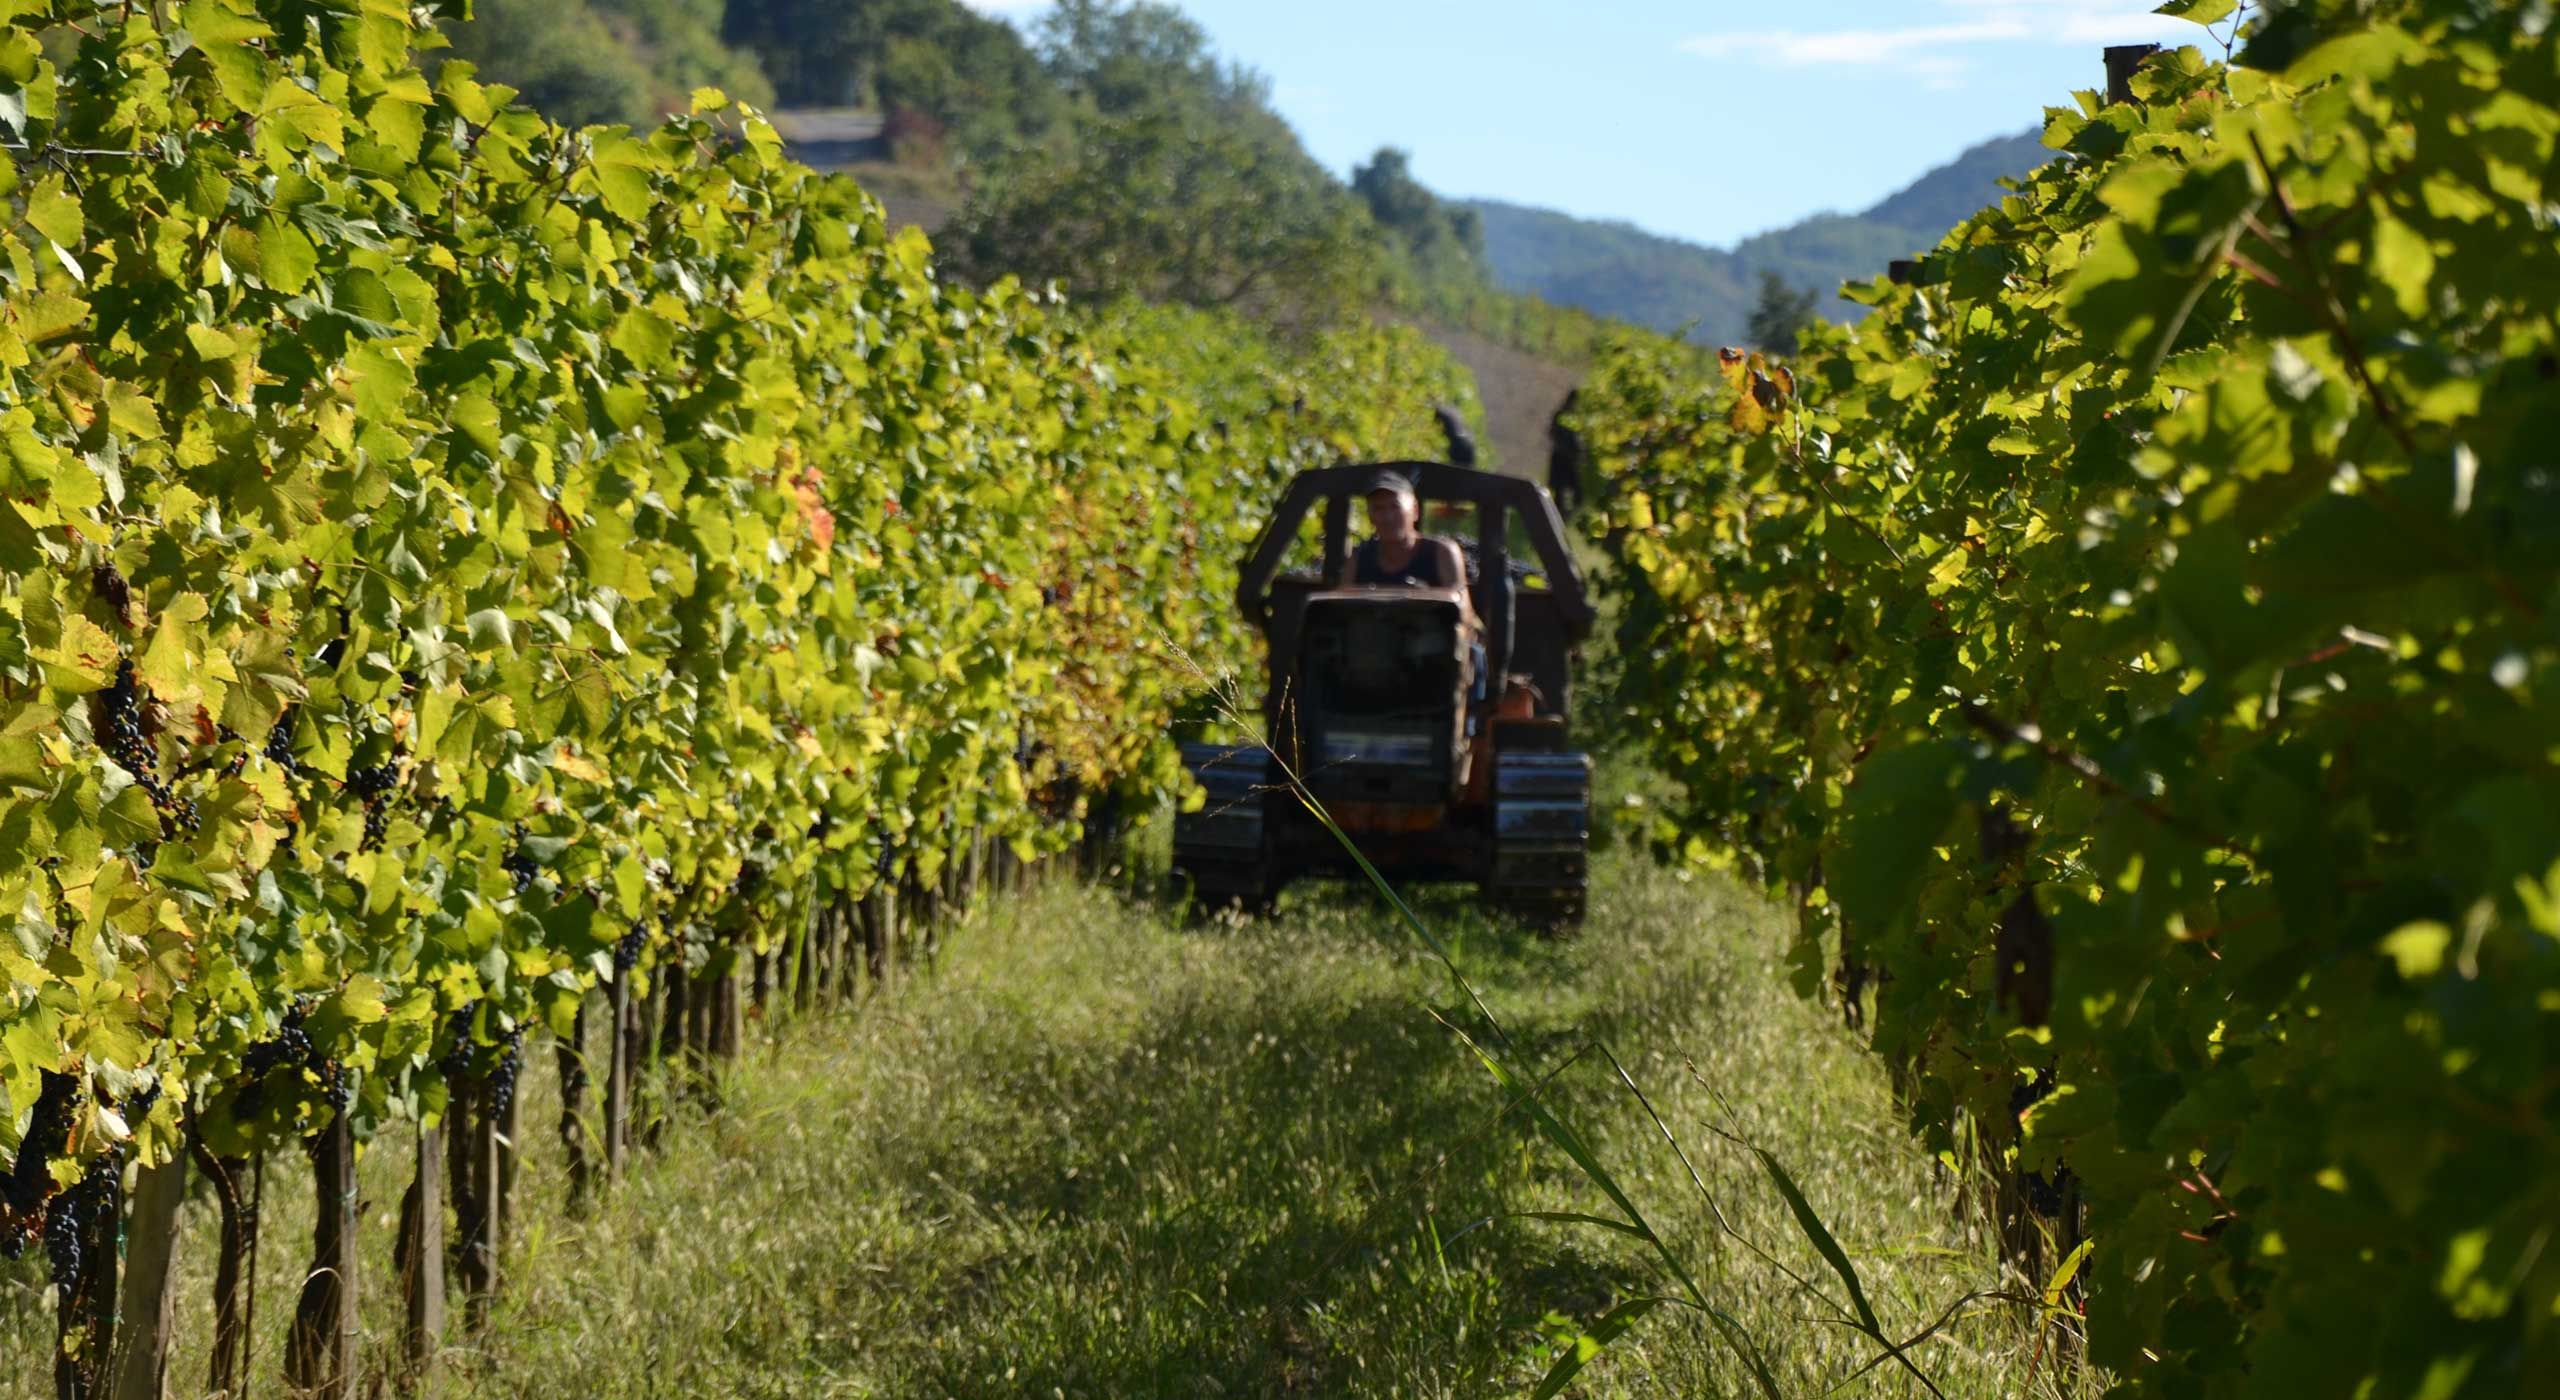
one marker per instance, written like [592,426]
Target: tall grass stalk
[1527,1090]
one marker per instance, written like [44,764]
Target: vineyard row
[458,575]
[2132,647]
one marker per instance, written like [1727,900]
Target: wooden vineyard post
[667,1052]
[923,912]
[698,999]
[830,950]
[617,1083]
[571,1056]
[239,1227]
[471,1178]
[675,1020]
[505,1137]
[825,943]
[828,933]
[733,1010]
[880,932]
[320,1356]
[457,1179]
[85,1305]
[851,938]
[648,1011]
[1101,845]
[2122,61]
[420,1256]
[871,922]
[715,1014]
[487,1180]
[804,969]
[831,972]
[150,1298]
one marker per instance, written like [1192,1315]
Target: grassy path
[1097,1154]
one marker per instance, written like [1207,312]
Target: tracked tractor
[1429,723]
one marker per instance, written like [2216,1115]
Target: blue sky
[1703,119]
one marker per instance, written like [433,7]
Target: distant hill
[1616,269]
[1957,190]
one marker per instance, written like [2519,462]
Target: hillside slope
[1520,393]
[1616,269]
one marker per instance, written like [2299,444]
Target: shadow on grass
[1268,1193]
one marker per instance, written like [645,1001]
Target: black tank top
[1423,568]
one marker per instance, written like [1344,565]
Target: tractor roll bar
[1491,493]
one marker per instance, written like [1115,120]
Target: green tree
[1781,314]
[817,51]
[1128,55]
[1165,206]
[583,61]
[1441,238]
[965,74]
[972,77]
[1173,180]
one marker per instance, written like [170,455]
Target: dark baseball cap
[1385,479]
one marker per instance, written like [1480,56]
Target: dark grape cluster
[62,1243]
[291,1045]
[279,749]
[459,1054]
[373,786]
[519,862]
[121,732]
[502,1079]
[2027,1096]
[458,1048]
[2044,1196]
[80,1215]
[31,1177]
[626,949]
[113,589]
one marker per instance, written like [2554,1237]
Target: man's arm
[1453,567]
[1453,561]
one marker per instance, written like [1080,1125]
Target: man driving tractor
[1408,686]
[1399,552]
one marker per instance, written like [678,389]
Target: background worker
[1462,444]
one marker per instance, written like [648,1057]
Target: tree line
[1109,149]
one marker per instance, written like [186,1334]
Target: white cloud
[1006,7]
[1857,47]
[1940,53]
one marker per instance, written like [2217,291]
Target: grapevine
[2130,650]
[627,517]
